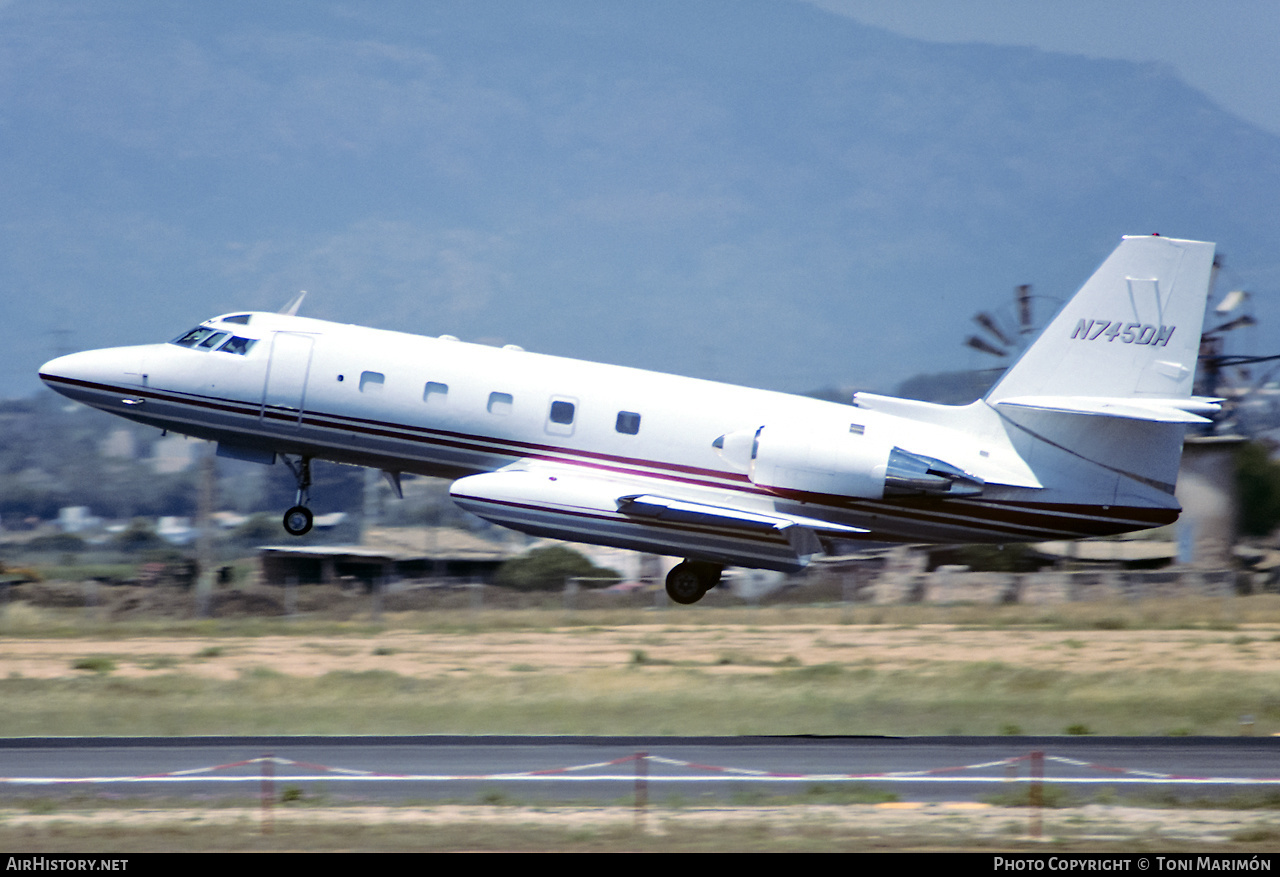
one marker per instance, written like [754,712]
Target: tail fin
[1126,344]
[1108,382]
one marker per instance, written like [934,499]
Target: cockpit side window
[237,345]
[213,340]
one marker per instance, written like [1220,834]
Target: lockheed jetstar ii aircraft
[1081,437]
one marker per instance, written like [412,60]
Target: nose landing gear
[298,520]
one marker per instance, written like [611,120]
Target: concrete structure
[1207,491]
[387,555]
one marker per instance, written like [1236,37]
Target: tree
[1258,483]
[547,569]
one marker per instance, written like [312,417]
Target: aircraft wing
[801,532]
[642,514]
[671,509]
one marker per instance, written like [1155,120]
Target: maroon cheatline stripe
[1016,519]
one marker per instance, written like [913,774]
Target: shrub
[1258,482]
[547,569]
[140,535]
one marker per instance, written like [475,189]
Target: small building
[389,554]
[77,519]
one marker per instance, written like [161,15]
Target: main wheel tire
[684,584]
[298,520]
[710,575]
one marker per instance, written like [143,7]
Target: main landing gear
[298,520]
[688,581]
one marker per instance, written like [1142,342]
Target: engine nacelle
[840,465]
[849,464]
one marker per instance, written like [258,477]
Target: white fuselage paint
[360,396]
[1082,436]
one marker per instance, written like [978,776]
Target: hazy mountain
[751,190]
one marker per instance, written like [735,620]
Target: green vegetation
[59,611]
[684,672]
[1258,483]
[140,535]
[95,663]
[547,569]
[980,698]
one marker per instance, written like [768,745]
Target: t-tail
[1109,380]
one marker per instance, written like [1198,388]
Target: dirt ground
[947,825]
[724,648]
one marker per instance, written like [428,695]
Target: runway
[390,770]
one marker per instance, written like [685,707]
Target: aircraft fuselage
[1081,437]
[441,407]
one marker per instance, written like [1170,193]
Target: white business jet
[1081,437]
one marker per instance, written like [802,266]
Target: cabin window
[500,403]
[628,423]
[560,415]
[562,412]
[435,393]
[371,382]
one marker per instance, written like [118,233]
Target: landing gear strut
[298,520]
[688,581]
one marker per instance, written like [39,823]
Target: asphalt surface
[449,768]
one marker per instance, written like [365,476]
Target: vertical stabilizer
[1102,399]
[1131,332]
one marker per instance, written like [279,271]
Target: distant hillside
[752,191]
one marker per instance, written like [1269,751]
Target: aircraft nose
[74,368]
[83,376]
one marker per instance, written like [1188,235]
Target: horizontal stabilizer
[1156,410]
[668,509]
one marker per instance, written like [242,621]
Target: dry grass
[807,828]
[1176,667]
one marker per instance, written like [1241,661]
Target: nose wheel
[298,520]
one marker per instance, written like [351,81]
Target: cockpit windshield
[194,337]
[213,340]
[237,345]
[205,338]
